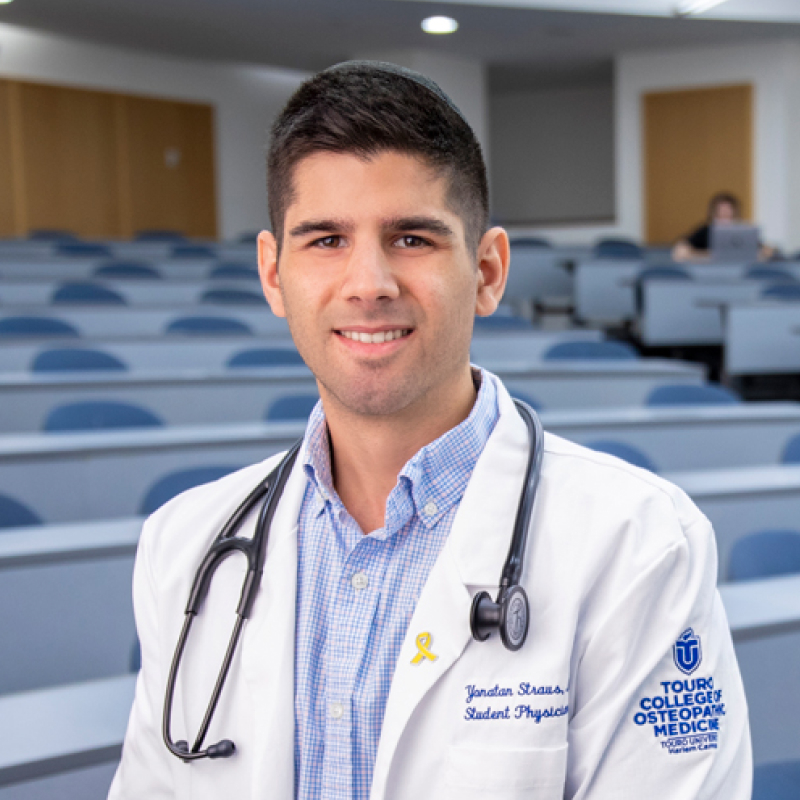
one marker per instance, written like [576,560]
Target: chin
[369,399]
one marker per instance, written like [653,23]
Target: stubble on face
[432,293]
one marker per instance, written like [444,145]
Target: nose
[369,276]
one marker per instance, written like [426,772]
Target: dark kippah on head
[364,108]
[403,72]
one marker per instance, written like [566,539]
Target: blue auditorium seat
[777,781]
[238,297]
[135,660]
[617,248]
[266,357]
[679,394]
[624,451]
[88,415]
[590,350]
[233,271]
[87,293]
[35,326]
[765,554]
[71,359]
[782,291]
[658,272]
[664,272]
[208,326]
[531,241]
[82,249]
[770,274]
[291,407]
[526,398]
[126,270]
[14,514]
[172,484]
[501,322]
[193,251]
[51,235]
[791,453]
[158,235]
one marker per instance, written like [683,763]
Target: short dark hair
[723,197]
[367,108]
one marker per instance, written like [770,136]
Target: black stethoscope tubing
[509,613]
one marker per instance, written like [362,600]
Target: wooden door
[697,142]
[8,223]
[66,160]
[167,152]
[103,165]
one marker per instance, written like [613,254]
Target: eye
[410,241]
[328,242]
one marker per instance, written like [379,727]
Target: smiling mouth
[375,338]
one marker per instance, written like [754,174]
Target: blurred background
[644,156]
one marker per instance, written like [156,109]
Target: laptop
[734,243]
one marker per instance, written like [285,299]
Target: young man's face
[376,281]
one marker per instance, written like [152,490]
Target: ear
[494,256]
[268,272]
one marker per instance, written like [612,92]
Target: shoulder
[698,238]
[191,520]
[616,505]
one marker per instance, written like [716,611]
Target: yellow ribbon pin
[423,643]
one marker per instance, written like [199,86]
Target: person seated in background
[724,208]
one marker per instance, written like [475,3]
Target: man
[358,675]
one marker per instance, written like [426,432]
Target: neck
[368,452]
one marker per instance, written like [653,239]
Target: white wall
[246,99]
[774,71]
[553,155]
[769,67]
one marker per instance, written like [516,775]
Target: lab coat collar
[473,557]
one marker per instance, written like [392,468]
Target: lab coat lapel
[268,652]
[472,557]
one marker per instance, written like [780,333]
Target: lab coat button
[337,710]
[359,581]
[430,508]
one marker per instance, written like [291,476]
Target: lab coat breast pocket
[472,773]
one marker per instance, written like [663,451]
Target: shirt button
[359,581]
[430,508]
[337,710]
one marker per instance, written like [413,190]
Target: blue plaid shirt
[356,594]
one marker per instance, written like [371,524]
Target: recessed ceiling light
[3,2]
[689,8]
[439,25]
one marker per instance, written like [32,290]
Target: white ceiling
[747,10]
[521,45]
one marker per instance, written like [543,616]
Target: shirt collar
[432,480]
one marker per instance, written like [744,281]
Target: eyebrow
[419,223]
[321,226]
[399,224]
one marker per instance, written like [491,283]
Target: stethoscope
[509,612]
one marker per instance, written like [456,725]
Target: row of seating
[97,294]
[141,270]
[37,327]
[68,359]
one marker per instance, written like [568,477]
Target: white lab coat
[619,564]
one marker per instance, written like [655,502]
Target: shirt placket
[350,624]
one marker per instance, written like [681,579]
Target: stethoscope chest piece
[510,615]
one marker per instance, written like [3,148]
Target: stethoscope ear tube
[510,613]
[225,544]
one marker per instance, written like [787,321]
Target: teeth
[376,338]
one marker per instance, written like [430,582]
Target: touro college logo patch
[687,652]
